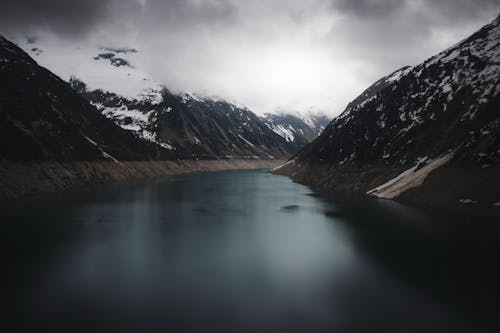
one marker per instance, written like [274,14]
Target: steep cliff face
[432,126]
[43,119]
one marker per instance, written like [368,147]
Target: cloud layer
[294,54]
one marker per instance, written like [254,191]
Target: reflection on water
[243,251]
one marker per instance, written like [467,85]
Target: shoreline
[21,180]
[452,187]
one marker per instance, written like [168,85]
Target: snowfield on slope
[411,178]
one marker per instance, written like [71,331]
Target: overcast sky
[268,54]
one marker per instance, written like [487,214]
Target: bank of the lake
[18,180]
[453,187]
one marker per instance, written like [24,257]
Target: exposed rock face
[43,119]
[113,59]
[449,104]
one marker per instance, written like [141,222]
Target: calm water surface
[242,251]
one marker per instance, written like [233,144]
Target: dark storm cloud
[180,14]
[399,32]
[64,17]
[78,17]
[368,8]
[445,10]
[460,10]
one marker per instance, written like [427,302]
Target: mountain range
[189,125]
[58,131]
[428,133]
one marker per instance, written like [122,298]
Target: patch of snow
[291,162]
[285,133]
[105,154]
[396,76]
[411,178]
[307,119]
[248,142]
[446,88]
[166,146]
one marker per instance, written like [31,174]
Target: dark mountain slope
[217,128]
[441,117]
[43,119]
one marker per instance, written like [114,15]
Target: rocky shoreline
[455,187]
[18,180]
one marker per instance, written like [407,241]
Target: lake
[242,251]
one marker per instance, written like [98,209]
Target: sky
[269,55]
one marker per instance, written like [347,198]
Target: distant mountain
[298,130]
[43,119]
[428,133]
[191,126]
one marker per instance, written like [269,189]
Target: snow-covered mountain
[297,129]
[192,126]
[429,133]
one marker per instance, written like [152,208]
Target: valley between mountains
[426,134]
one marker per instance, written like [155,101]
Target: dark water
[242,251]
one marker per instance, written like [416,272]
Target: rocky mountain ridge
[431,126]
